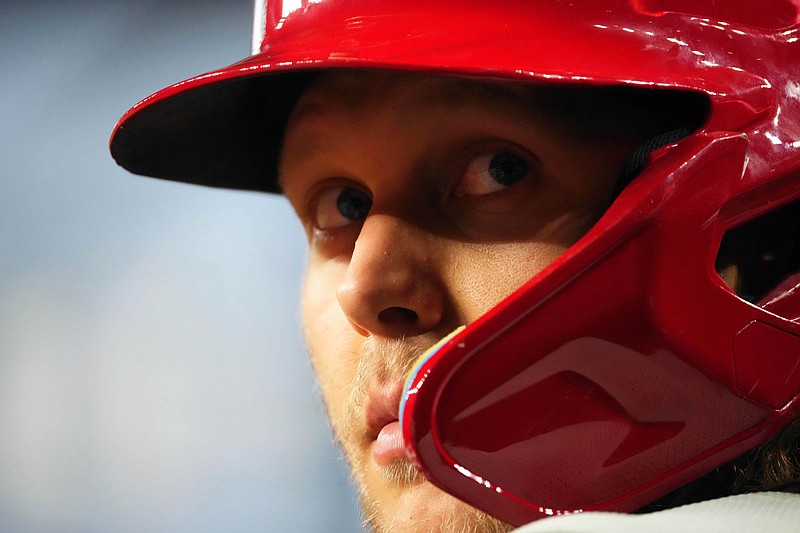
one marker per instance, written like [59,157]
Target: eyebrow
[312,144]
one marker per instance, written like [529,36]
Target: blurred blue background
[152,372]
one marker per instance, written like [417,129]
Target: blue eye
[353,204]
[507,169]
[491,172]
[340,206]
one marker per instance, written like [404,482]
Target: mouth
[383,426]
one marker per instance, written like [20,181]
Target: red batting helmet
[627,367]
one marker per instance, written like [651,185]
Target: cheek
[332,343]
[494,271]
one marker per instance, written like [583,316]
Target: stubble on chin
[380,363]
[401,474]
[458,517]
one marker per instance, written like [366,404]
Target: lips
[383,407]
[383,429]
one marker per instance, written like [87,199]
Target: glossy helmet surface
[627,367]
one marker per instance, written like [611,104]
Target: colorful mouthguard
[409,387]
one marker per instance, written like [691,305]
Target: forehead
[353,90]
[336,101]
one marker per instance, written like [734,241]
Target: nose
[392,287]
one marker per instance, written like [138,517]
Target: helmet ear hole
[637,160]
[762,255]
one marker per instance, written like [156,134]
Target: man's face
[426,200]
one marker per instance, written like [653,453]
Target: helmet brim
[220,131]
[224,128]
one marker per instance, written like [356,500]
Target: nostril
[398,315]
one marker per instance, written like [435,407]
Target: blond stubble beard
[380,363]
